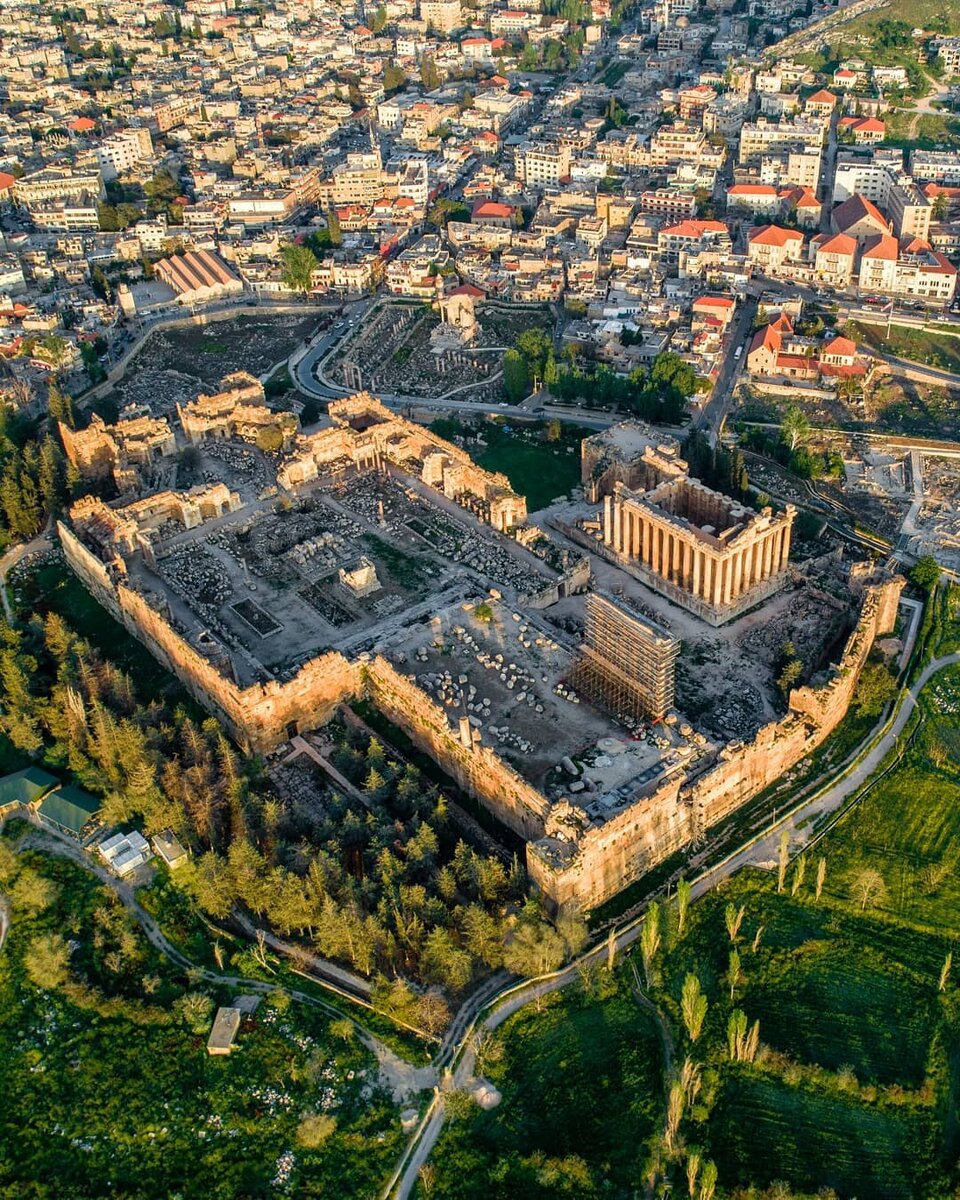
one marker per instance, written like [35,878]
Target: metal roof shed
[69,810]
[24,787]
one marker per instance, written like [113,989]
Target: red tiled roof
[714,302]
[841,345]
[752,189]
[858,208]
[695,228]
[837,243]
[773,235]
[881,245]
[491,208]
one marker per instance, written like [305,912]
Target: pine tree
[50,475]
[60,406]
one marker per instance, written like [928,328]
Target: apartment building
[123,152]
[539,163]
[834,257]
[882,181]
[936,166]
[909,269]
[761,137]
[770,248]
[675,206]
[442,16]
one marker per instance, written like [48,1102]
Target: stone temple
[575,674]
[699,548]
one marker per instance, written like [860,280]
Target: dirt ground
[175,365]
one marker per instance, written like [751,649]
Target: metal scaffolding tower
[627,664]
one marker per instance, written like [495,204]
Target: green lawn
[918,345]
[108,1090]
[539,470]
[764,1130]
[582,1092]
[931,131]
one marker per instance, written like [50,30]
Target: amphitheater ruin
[550,669]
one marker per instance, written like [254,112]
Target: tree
[708,1181]
[733,919]
[515,379]
[650,939]
[945,971]
[32,893]
[429,75]
[734,972]
[394,78]
[941,207]
[926,574]
[795,428]
[533,948]
[683,903]
[782,859]
[47,961]
[868,887]
[99,283]
[799,870]
[693,1006]
[378,21]
[333,227]
[194,1009]
[60,406]
[821,877]
[315,1129]
[270,439]
[299,263]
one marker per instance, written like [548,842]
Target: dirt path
[401,1077]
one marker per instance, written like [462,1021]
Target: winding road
[759,852]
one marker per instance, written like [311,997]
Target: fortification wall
[478,771]
[259,717]
[610,857]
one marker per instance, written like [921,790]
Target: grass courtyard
[539,468]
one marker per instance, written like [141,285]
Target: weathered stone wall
[478,771]
[606,859]
[259,717]
[594,864]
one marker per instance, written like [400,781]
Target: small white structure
[168,848]
[226,1025]
[124,852]
[361,577]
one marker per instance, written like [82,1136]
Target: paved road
[9,560]
[761,851]
[715,411]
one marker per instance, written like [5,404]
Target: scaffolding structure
[627,664]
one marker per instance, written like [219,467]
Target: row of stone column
[718,579]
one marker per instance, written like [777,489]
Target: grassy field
[538,469]
[912,834]
[929,131]
[108,1088]
[918,345]
[766,1131]
[853,1082]
[581,1083]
